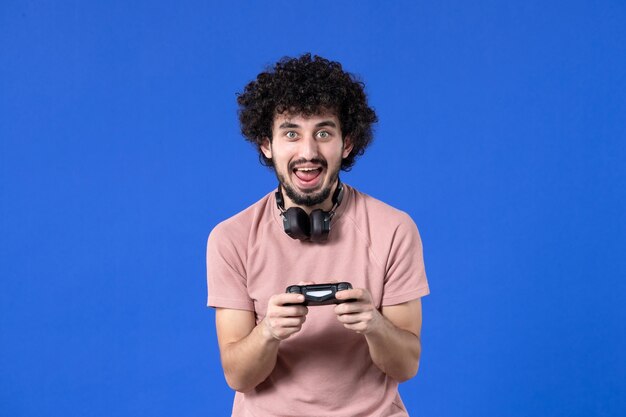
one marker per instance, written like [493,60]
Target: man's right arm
[248,351]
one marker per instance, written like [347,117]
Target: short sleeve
[226,275]
[405,277]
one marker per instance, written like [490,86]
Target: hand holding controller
[320,294]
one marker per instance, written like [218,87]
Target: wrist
[267,335]
[378,324]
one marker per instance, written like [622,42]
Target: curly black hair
[306,86]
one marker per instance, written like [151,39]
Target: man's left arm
[392,334]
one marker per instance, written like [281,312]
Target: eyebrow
[328,123]
[289,125]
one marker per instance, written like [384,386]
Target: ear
[266,148]
[347,147]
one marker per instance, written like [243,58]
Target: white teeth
[307,169]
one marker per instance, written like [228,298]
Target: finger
[351,318]
[286,298]
[277,323]
[306,283]
[357,327]
[353,294]
[293,311]
[350,308]
[289,322]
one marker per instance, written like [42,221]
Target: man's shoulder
[376,211]
[241,223]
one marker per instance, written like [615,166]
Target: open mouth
[308,176]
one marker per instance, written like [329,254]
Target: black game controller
[320,294]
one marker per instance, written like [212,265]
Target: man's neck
[326,205]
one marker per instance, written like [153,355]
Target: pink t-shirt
[325,369]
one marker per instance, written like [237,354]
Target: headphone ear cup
[320,225]
[297,224]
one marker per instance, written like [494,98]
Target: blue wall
[502,132]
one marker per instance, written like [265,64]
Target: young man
[309,119]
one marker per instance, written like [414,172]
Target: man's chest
[271,269]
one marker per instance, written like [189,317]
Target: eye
[323,134]
[291,134]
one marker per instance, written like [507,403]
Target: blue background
[502,132]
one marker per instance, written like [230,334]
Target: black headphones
[314,227]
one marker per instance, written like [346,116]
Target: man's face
[307,154]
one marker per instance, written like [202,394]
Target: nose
[308,148]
